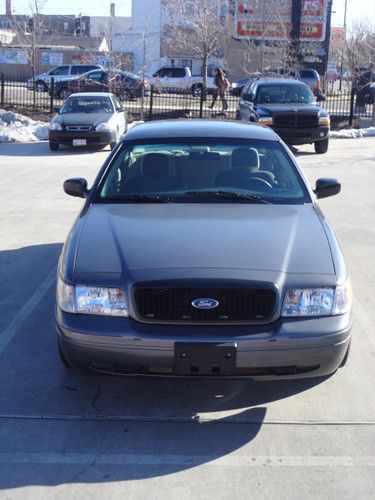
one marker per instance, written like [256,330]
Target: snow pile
[18,128]
[353,133]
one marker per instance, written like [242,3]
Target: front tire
[321,147]
[196,91]
[63,94]
[54,146]
[40,86]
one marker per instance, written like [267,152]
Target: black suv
[289,107]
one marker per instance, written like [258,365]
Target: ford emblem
[205,303]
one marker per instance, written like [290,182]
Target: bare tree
[359,50]
[31,35]
[199,27]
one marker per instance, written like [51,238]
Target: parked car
[306,75]
[124,84]
[289,107]
[88,119]
[42,82]
[309,76]
[173,79]
[201,251]
[238,85]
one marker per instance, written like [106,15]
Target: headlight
[91,300]
[55,126]
[317,301]
[265,120]
[102,127]
[325,121]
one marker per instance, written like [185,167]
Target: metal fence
[344,108]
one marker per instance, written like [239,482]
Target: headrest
[155,164]
[245,158]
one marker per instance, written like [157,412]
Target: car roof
[91,94]
[166,129]
[277,81]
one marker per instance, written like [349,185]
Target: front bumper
[93,137]
[302,135]
[284,349]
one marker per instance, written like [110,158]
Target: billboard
[272,20]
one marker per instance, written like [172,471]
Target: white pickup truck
[172,79]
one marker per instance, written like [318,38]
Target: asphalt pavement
[68,435]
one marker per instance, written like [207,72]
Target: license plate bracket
[205,358]
[79,142]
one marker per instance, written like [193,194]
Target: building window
[66,27]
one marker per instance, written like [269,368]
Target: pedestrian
[221,85]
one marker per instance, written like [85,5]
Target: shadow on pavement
[95,421]
[42,149]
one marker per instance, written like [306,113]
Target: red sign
[272,19]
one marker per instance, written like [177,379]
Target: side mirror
[76,187]
[321,97]
[246,97]
[327,187]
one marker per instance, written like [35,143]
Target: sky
[363,10]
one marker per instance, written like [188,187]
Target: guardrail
[345,108]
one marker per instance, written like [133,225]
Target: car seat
[245,163]
[155,176]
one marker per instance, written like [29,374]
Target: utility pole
[344,45]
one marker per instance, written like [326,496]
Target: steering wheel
[253,183]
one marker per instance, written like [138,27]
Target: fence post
[2,89]
[52,93]
[202,100]
[151,103]
[351,116]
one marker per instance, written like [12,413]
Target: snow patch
[352,133]
[19,128]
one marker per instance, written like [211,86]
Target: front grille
[78,128]
[296,120]
[175,304]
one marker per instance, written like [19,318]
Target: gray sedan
[201,251]
[88,119]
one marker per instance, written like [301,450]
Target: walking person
[221,83]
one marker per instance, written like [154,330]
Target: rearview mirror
[76,187]
[327,187]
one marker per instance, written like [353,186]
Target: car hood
[83,118]
[126,238]
[287,107]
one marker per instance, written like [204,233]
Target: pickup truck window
[190,171]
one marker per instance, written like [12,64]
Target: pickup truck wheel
[321,147]
[63,94]
[40,86]
[196,90]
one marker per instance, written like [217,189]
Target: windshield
[193,170]
[284,94]
[87,104]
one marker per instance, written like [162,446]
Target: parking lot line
[10,331]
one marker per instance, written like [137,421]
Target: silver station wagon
[201,251]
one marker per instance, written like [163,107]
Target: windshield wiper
[229,195]
[139,198]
